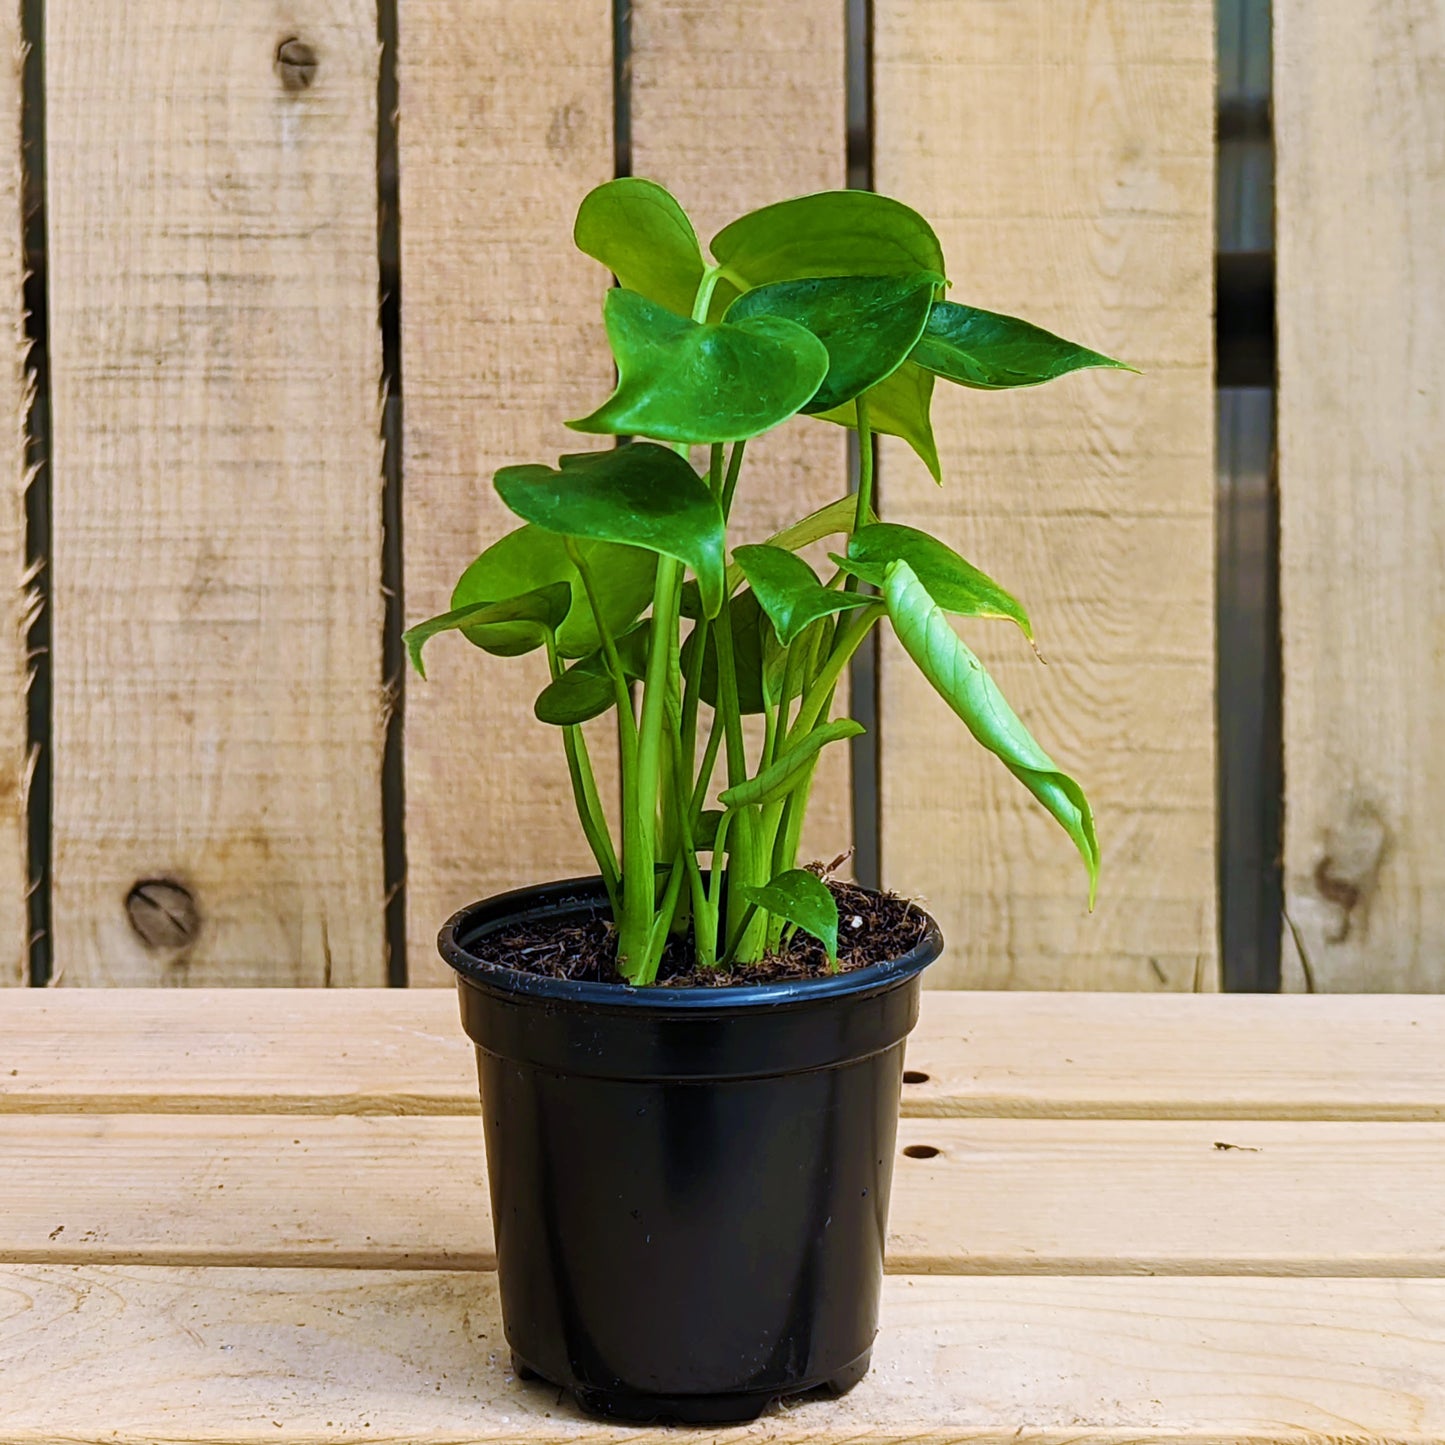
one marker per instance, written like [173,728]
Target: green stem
[709,764]
[730,485]
[820,692]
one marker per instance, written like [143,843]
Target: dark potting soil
[872,928]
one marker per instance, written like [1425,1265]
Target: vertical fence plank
[215,360]
[1360,136]
[506,124]
[736,106]
[14,402]
[1065,148]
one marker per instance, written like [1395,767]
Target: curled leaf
[508,628]
[779,778]
[959,678]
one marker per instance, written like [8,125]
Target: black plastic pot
[689,1186]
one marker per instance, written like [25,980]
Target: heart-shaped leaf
[899,406]
[869,324]
[788,590]
[956,585]
[586,689]
[831,233]
[507,628]
[992,352]
[781,777]
[641,495]
[683,381]
[748,625]
[959,678]
[641,234]
[803,899]
[529,558]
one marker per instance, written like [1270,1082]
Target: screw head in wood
[296,63]
[163,913]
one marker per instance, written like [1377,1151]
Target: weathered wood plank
[507,124]
[1360,134]
[215,359]
[1065,149]
[1000,1196]
[14,406]
[1040,1055]
[733,107]
[138,1355]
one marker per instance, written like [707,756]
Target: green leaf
[959,678]
[869,324]
[992,352]
[749,625]
[956,585]
[899,406]
[641,234]
[682,381]
[832,233]
[586,689]
[825,522]
[779,778]
[788,590]
[803,899]
[529,558]
[640,495]
[508,628]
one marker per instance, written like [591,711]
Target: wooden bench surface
[261,1215]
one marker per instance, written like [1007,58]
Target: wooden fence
[218,508]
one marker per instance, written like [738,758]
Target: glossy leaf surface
[831,233]
[803,899]
[640,495]
[530,557]
[868,324]
[789,591]
[586,689]
[959,678]
[508,628]
[640,233]
[827,521]
[682,381]
[992,352]
[899,406]
[748,625]
[955,585]
[780,777]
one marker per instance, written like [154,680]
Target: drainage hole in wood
[914,1076]
[920,1151]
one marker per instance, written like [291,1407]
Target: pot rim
[588,892]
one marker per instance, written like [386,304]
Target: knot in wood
[163,914]
[296,63]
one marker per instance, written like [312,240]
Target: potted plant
[690,1064]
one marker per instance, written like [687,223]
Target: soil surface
[872,927]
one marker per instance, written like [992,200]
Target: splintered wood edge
[1042,1055]
[127,1356]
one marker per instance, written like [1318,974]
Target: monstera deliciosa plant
[832,308]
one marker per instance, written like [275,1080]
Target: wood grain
[734,107]
[1065,150]
[1360,135]
[131,1355]
[215,360]
[507,124]
[15,400]
[1024,1055]
[999,1196]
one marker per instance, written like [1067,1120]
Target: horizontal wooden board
[1068,1055]
[137,1355]
[1000,1196]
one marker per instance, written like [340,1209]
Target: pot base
[735,1408]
